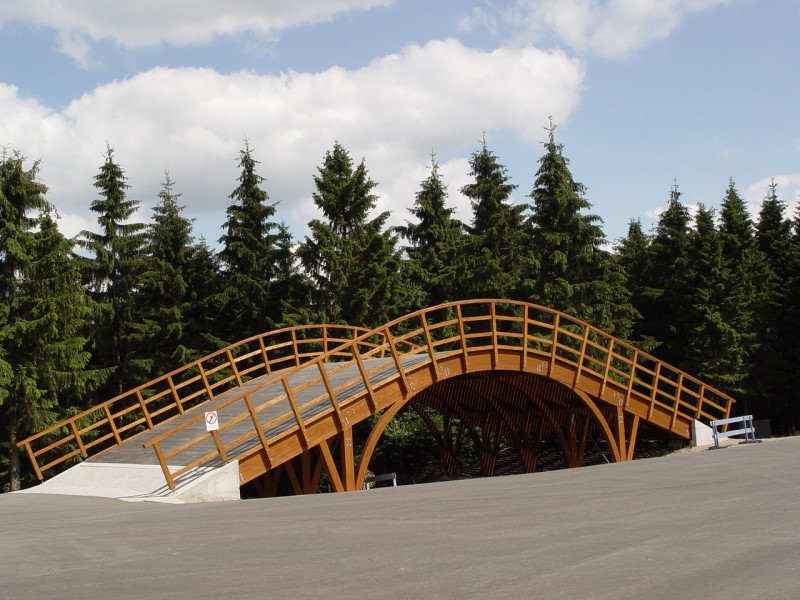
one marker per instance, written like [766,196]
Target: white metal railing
[747,429]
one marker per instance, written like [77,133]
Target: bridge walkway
[275,409]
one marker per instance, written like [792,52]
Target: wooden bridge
[287,401]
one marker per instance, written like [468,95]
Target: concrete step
[143,483]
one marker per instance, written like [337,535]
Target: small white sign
[212,424]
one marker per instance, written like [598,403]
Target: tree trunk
[13,461]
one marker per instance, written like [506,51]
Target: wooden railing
[147,406]
[430,335]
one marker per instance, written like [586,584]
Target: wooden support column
[305,469]
[271,480]
[621,439]
[293,480]
[316,475]
[633,434]
[330,467]
[348,461]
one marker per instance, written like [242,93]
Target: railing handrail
[560,321]
[167,380]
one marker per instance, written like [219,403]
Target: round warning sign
[212,423]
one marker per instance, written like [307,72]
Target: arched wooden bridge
[287,401]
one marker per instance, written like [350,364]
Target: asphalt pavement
[715,524]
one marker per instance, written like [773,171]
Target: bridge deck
[277,411]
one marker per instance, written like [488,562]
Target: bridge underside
[495,412]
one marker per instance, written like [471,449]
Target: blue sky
[644,92]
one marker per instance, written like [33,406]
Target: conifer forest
[715,292]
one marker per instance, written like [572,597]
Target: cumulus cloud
[392,112]
[606,28]
[478,18]
[787,190]
[179,22]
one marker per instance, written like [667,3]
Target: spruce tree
[165,292]
[21,199]
[632,251]
[205,303]
[774,233]
[745,267]
[43,315]
[112,273]
[633,254]
[436,251]
[772,371]
[714,350]
[248,256]
[295,287]
[352,261]
[497,241]
[575,273]
[666,297]
[791,330]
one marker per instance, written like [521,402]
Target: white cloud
[788,190]
[478,18]
[179,22]
[607,28]
[71,224]
[392,112]
[655,213]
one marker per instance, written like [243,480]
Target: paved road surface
[717,524]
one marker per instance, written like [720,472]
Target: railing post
[218,443]
[111,424]
[397,363]
[524,338]
[632,376]
[678,389]
[654,392]
[554,346]
[34,463]
[462,334]
[76,434]
[294,348]
[257,425]
[607,368]
[495,350]
[329,388]
[364,376]
[429,342]
[143,406]
[581,355]
[264,355]
[205,380]
[164,468]
[233,367]
[700,401]
[295,411]
[175,396]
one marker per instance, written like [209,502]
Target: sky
[645,94]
